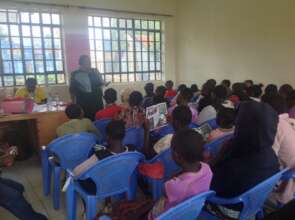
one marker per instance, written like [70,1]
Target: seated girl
[187,148]
[115,132]
[225,120]
[133,115]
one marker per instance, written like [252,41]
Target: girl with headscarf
[249,158]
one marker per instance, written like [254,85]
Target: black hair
[183,115]
[187,94]
[226,83]
[82,59]
[110,95]
[188,145]
[207,89]
[278,103]
[116,130]
[271,89]
[31,80]
[226,117]
[194,88]
[169,84]
[211,82]
[135,99]
[255,91]
[220,92]
[149,89]
[249,81]
[160,91]
[73,111]
[239,89]
[285,90]
[181,87]
[291,99]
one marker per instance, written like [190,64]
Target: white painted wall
[236,39]
[75,24]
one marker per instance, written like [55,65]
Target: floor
[29,174]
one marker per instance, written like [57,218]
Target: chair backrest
[101,126]
[188,210]
[213,124]
[134,136]
[215,145]
[72,150]
[170,167]
[254,198]
[168,129]
[112,175]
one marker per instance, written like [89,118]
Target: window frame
[56,48]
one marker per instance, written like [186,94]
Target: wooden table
[42,125]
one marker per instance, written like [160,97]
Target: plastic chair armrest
[222,201]
[288,175]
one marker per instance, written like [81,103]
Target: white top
[208,113]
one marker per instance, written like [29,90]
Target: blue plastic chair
[112,176]
[170,168]
[134,136]
[168,129]
[215,145]
[101,126]
[213,124]
[188,210]
[252,200]
[70,150]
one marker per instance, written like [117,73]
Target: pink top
[284,145]
[292,112]
[193,110]
[187,185]
[218,133]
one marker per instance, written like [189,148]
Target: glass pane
[58,54]
[151,25]
[98,45]
[145,77]
[144,56]
[138,66]
[3,30]
[131,78]
[59,65]
[158,76]
[129,24]
[36,30]
[108,78]
[158,38]
[117,78]
[130,56]
[144,24]
[49,66]
[48,43]
[124,67]
[138,56]
[15,42]
[122,23]
[25,17]
[123,45]
[152,66]
[14,31]
[7,67]
[18,67]
[158,66]
[13,17]
[61,78]
[56,32]
[55,19]
[20,80]
[5,42]
[158,56]
[46,32]
[3,17]
[116,67]
[46,18]
[114,22]
[97,21]
[158,25]
[6,55]
[39,67]
[38,54]
[106,22]
[114,35]
[29,67]
[26,30]
[108,67]
[17,54]
[115,46]
[90,21]
[8,81]
[108,56]
[99,56]
[48,54]
[151,36]
[51,79]
[138,77]
[145,66]
[123,35]
[35,18]
[123,56]
[90,33]
[131,67]
[40,79]
[115,56]
[100,67]
[107,34]
[27,42]
[137,24]
[152,76]
[124,78]
[107,45]
[37,43]
[98,34]
[57,43]
[137,46]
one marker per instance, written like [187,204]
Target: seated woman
[170,92]
[284,146]
[249,158]
[187,148]
[148,99]
[77,123]
[225,120]
[133,115]
[32,91]
[159,96]
[184,99]
[111,109]
[115,132]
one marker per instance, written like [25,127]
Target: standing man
[86,87]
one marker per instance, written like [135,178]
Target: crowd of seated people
[263,138]
[260,118]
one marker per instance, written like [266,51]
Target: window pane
[7,67]
[48,43]
[124,78]
[113,22]
[47,32]
[51,79]
[99,45]
[90,21]
[114,35]
[61,78]
[122,23]
[26,30]
[106,22]
[3,30]
[46,18]
[38,54]
[55,19]
[107,34]
[98,34]
[108,67]
[3,17]
[8,81]
[17,54]
[36,31]
[107,45]
[28,54]
[39,67]
[35,18]
[56,33]
[15,42]
[49,54]
[97,21]
[49,66]
[158,25]
[30,67]
[6,55]
[59,66]
[13,17]
[138,77]
[58,54]
[5,42]
[14,31]
[116,67]
[99,56]
[18,67]
[25,17]
[37,43]
[20,80]
[27,42]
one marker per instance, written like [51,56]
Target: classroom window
[30,46]
[126,50]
